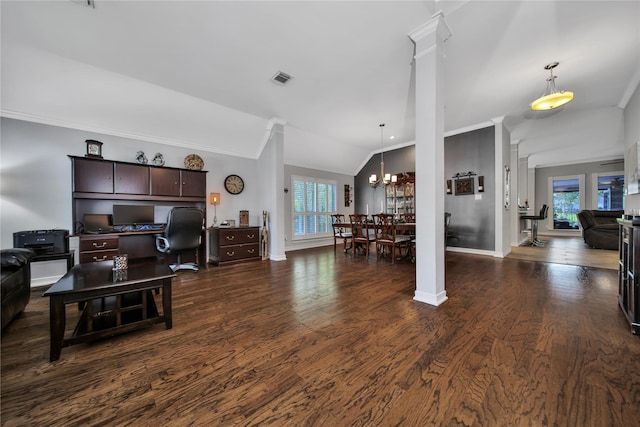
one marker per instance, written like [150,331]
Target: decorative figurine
[158,159]
[265,237]
[141,158]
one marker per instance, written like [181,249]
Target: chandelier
[552,98]
[384,178]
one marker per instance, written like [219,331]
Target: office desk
[136,244]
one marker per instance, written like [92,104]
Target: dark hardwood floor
[324,339]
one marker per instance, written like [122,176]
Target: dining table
[402,227]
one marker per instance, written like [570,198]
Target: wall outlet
[478,196]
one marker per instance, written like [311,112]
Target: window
[609,196]
[568,199]
[314,201]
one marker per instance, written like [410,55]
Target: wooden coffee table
[114,301]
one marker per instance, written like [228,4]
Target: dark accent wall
[395,161]
[472,215]
[472,218]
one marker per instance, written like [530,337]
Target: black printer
[43,241]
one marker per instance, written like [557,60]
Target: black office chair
[182,233]
[533,241]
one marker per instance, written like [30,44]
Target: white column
[516,184]
[430,182]
[502,210]
[276,216]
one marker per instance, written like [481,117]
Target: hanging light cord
[381,151]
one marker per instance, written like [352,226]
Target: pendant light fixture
[551,98]
[374,180]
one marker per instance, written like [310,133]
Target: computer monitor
[133,214]
[96,222]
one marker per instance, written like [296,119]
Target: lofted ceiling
[197,73]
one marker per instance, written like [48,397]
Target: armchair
[600,229]
[16,282]
[182,233]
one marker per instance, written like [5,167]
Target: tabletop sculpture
[265,236]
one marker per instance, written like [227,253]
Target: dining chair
[340,231]
[408,217]
[449,233]
[362,231]
[386,236]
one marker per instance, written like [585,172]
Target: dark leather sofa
[600,228]
[16,282]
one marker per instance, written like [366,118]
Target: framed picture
[464,186]
[507,187]
[632,178]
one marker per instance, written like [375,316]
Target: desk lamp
[214,199]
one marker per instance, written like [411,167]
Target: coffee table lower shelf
[109,316]
[113,303]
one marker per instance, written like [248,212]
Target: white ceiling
[196,73]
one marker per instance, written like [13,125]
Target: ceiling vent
[281,78]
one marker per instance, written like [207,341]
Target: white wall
[631,136]
[35,180]
[543,190]
[567,136]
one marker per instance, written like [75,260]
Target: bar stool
[533,240]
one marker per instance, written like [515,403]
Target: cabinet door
[165,182]
[194,184]
[131,179]
[92,176]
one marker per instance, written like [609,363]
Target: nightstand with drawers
[228,245]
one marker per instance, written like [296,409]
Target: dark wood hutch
[99,184]
[629,271]
[400,194]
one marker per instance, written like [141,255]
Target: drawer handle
[251,236]
[95,245]
[231,237]
[232,253]
[251,251]
[104,258]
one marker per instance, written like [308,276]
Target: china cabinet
[400,195]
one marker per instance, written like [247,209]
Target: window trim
[581,188]
[594,186]
[316,180]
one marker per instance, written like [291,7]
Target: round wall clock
[234,184]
